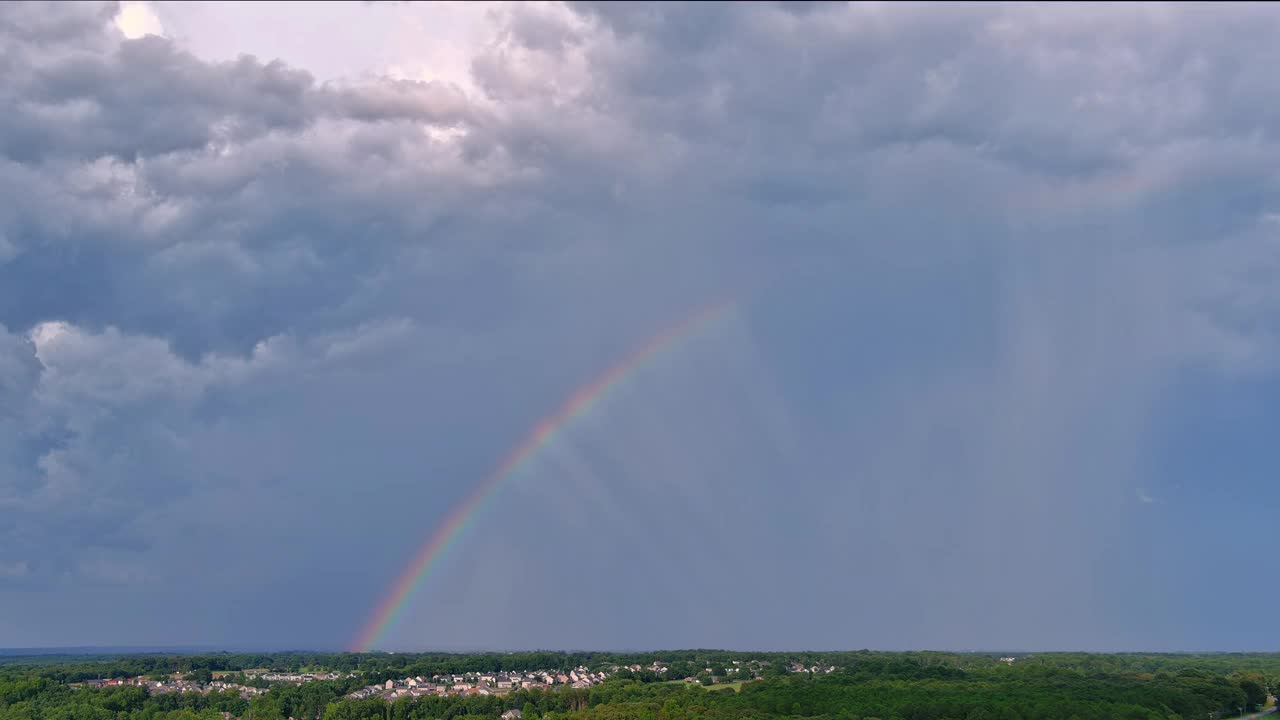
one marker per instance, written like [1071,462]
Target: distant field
[735,686]
[224,673]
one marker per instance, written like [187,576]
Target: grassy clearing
[736,686]
[224,673]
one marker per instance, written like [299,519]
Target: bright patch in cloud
[137,20]
[47,332]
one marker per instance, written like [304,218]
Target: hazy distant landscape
[677,685]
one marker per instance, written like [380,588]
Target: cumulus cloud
[243,307]
[102,427]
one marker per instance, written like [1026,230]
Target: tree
[265,707]
[1254,692]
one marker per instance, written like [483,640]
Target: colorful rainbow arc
[541,436]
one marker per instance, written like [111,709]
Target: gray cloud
[975,248]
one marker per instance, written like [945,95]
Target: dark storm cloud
[140,171]
[240,309]
[146,97]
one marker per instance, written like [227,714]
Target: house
[512,715]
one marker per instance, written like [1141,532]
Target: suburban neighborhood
[178,684]
[498,683]
[454,685]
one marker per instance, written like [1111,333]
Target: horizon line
[194,649]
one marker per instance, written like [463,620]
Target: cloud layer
[259,332]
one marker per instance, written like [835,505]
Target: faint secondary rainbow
[543,434]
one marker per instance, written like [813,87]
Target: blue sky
[277,289]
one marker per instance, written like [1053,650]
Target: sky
[281,286]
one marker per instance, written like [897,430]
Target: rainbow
[543,434]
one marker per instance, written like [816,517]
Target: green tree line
[867,686]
